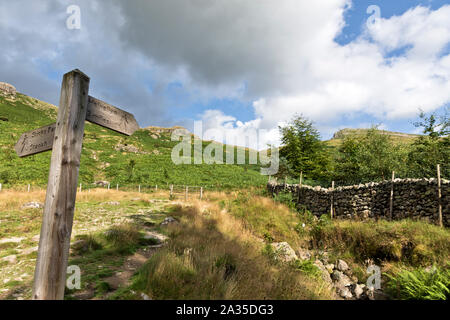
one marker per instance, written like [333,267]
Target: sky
[238,66]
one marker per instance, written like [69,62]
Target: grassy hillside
[397,137]
[144,158]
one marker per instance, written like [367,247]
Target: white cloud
[361,78]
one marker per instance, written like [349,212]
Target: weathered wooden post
[186,195]
[201,193]
[300,185]
[441,223]
[171,190]
[391,200]
[109,186]
[117,187]
[65,137]
[156,187]
[0,187]
[54,243]
[332,200]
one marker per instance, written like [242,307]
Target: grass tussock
[212,255]
[266,218]
[14,199]
[410,242]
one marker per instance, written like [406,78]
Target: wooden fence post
[109,186]
[186,195]
[0,187]
[201,193]
[171,190]
[300,186]
[441,223]
[117,187]
[29,187]
[391,200]
[80,187]
[156,187]
[332,200]
[54,243]
[139,188]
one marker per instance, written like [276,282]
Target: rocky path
[18,251]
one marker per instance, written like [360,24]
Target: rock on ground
[11,240]
[284,252]
[10,259]
[341,265]
[33,205]
[158,237]
[168,220]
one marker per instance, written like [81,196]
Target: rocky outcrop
[7,89]
[413,198]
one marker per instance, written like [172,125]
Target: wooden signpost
[65,138]
[98,112]
[36,141]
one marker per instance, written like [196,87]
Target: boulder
[304,254]
[11,240]
[341,265]
[284,252]
[10,259]
[33,205]
[168,220]
[330,268]
[358,290]
[324,272]
[101,183]
[345,293]
[158,237]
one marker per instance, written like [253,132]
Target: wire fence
[175,191]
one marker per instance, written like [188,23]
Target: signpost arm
[54,243]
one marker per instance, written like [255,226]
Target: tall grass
[410,242]
[212,255]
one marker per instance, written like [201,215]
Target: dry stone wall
[413,198]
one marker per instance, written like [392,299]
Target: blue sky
[239,66]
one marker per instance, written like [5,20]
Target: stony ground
[96,213]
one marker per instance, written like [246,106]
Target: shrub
[420,284]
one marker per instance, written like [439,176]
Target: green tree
[431,149]
[303,150]
[284,169]
[370,158]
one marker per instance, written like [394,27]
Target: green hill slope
[143,158]
[396,137]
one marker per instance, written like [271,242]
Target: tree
[371,157]
[284,169]
[431,149]
[302,148]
